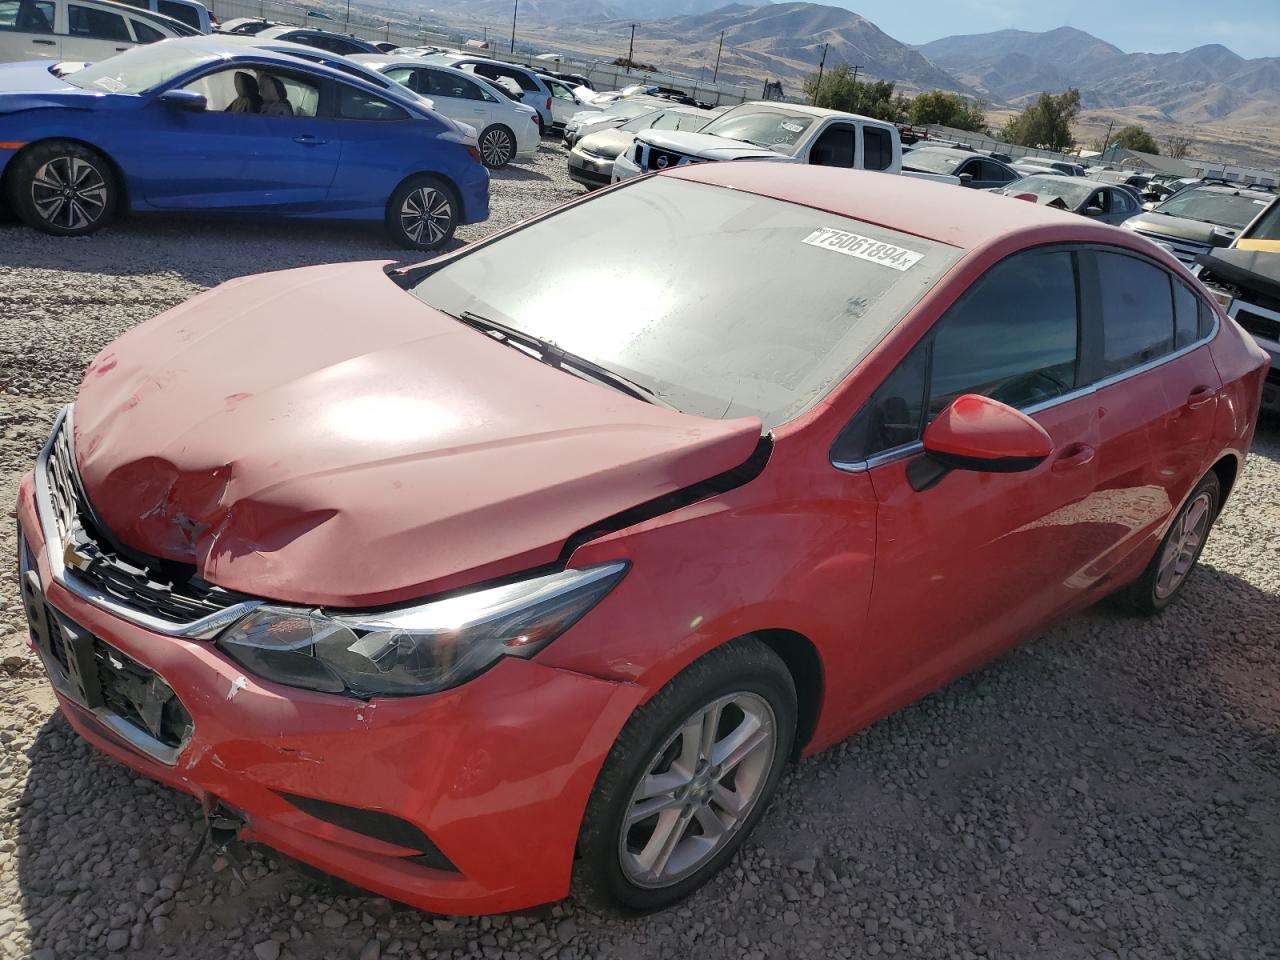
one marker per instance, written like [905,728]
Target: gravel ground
[1109,790]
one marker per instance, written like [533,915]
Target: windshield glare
[771,129]
[1210,206]
[749,306]
[933,161]
[1072,193]
[140,69]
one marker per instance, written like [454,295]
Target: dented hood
[319,436]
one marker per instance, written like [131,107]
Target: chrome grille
[157,588]
[1185,250]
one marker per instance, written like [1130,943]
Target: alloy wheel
[426,215]
[698,790]
[1183,546]
[69,192]
[495,149]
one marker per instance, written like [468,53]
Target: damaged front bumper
[466,801]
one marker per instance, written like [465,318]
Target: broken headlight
[419,649]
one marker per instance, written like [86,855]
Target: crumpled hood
[606,143]
[319,436]
[1180,228]
[707,145]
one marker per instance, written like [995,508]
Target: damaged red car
[527,569]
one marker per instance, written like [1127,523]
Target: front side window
[834,147]
[27,16]
[877,148]
[96,24]
[264,93]
[1137,312]
[749,306]
[355,104]
[1013,336]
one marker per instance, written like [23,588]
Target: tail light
[548,103]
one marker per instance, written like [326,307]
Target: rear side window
[96,24]
[27,16]
[1137,312]
[355,104]
[180,12]
[877,148]
[1186,316]
[522,80]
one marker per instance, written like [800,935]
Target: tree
[949,110]
[838,90]
[1045,124]
[1176,145]
[1135,138]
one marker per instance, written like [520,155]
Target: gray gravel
[1109,790]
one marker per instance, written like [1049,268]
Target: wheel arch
[444,179]
[123,201]
[1227,468]
[800,656]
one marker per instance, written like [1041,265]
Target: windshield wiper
[558,357]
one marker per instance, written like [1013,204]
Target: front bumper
[590,171]
[496,773]
[624,168]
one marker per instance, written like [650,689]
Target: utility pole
[716,75]
[821,63]
[856,68]
[1106,142]
[631,49]
[514,10]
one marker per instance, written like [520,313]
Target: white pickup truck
[773,131]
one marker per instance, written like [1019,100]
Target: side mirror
[980,434]
[184,100]
[1093,211]
[966,179]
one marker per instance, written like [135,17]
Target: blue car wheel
[423,213]
[63,188]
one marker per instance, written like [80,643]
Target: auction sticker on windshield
[864,248]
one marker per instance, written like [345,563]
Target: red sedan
[535,564]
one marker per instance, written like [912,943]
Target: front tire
[497,147]
[423,213]
[1178,554]
[687,781]
[63,188]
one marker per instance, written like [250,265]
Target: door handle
[121,49]
[1076,455]
[46,43]
[1199,397]
[309,141]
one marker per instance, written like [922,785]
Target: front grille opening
[168,591]
[140,697]
[378,825]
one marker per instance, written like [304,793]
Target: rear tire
[423,213]
[63,188]
[1178,554]
[497,147]
[687,780]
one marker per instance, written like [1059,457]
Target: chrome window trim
[203,629]
[904,451]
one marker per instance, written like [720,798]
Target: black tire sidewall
[23,169]
[511,142]
[1145,599]
[744,666]
[397,199]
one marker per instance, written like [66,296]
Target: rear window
[180,12]
[749,306]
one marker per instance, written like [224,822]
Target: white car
[590,120]
[766,130]
[84,30]
[507,130]
[340,43]
[536,93]
[565,102]
[191,12]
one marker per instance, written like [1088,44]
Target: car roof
[272,33]
[942,212]
[954,152]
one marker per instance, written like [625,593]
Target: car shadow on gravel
[1111,782]
[202,250]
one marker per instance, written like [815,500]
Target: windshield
[1072,193]
[1268,225]
[1211,206]
[933,161]
[749,306]
[141,69]
[772,129]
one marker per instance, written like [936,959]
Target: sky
[1249,27]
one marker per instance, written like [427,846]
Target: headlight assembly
[419,649]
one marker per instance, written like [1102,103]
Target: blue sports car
[204,124]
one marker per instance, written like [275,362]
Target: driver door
[972,563]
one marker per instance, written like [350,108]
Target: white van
[191,12]
[78,29]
